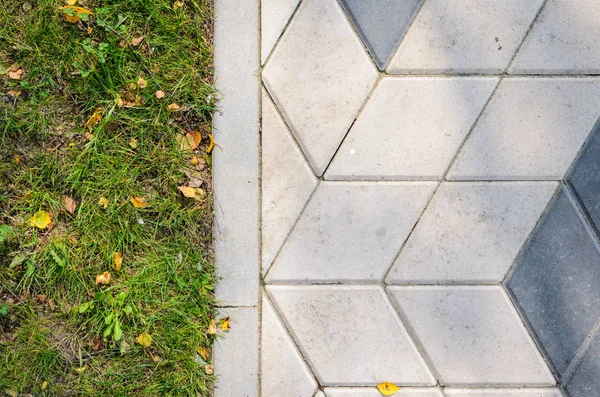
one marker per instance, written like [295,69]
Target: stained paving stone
[418,142]
[539,143]
[283,372]
[556,282]
[287,181]
[381,24]
[503,393]
[473,335]
[585,177]
[319,75]
[351,335]
[350,231]
[275,15]
[373,392]
[585,380]
[464,36]
[562,40]
[471,232]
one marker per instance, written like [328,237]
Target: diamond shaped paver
[381,24]
[319,76]
[464,36]
[411,128]
[287,182]
[283,373]
[563,39]
[556,281]
[351,335]
[473,335]
[373,392]
[471,232]
[275,14]
[351,231]
[585,380]
[531,129]
[503,393]
[585,177]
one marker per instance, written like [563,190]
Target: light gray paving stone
[351,231]
[473,335]
[236,355]
[350,335]
[411,128]
[373,392]
[531,129]
[464,36]
[320,394]
[471,232]
[236,162]
[275,15]
[503,393]
[283,372]
[287,181]
[320,75]
[562,40]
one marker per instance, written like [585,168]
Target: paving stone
[503,393]
[351,231]
[319,76]
[471,232]
[585,381]
[287,182]
[350,335]
[373,392]
[283,372]
[465,36]
[562,39]
[320,394]
[556,281]
[473,335]
[585,177]
[275,15]
[539,143]
[418,142]
[381,24]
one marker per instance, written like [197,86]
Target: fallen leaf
[388,389]
[190,192]
[98,345]
[144,339]
[133,143]
[209,369]
[211,145]
[15,72]
[212,327]
[173,107]
[71,2]
[93,120]
[159,94]
[136,41]
[138,202]
[117,260]
[203,352]
[41,298]
[11,393]
[70,205]
[103,202]
[189,141]
[44,385]
[41,220]
[88,136]
[142,83]
[178,4]
[120,102]
[14,93]
[81,370]
[74,14]
[103,278]
[224,323]
[27,6]
[17,159]
[52,304]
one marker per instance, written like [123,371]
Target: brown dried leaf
[70,205]
[136,41]
[103,278]
[15,72]
[209,369]
[159,94]
[212,327]
[142,83]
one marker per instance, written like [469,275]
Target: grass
[60,333]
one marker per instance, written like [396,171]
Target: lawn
[106,274]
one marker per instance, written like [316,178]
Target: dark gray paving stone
[585,177]
[585,381]
[381,24]
[556,281]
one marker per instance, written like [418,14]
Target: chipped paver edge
[236,181]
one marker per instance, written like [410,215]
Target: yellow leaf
[117,260]
[187,191]
[138,202]
[44,385]
[81,370]
[173,106]
[103,278]
[71,2]
[189,141]
[142,83]
[15,74]
[17,159]
[211,145]
[203,352]
[94,119]
[144,339]
[70,205]
[74,14]
[388,389]
[136,41]
[224,323]
[41,220]
[209,369]
[159,94]
[212,327]
[178,4]
[103,202]
[133,143]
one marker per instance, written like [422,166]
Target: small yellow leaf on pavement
[103,202]
[211,145]
[133,143]
[209,369]
[142,83]
[173,106]
[136,41]
[159,94]
[203,352]
[74,14]
[117,260]
[144,339]
[94,119]
[224,323]
[41,220]
[103,278]
[212,327]
[138,202]
[388,389]
[70,205]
